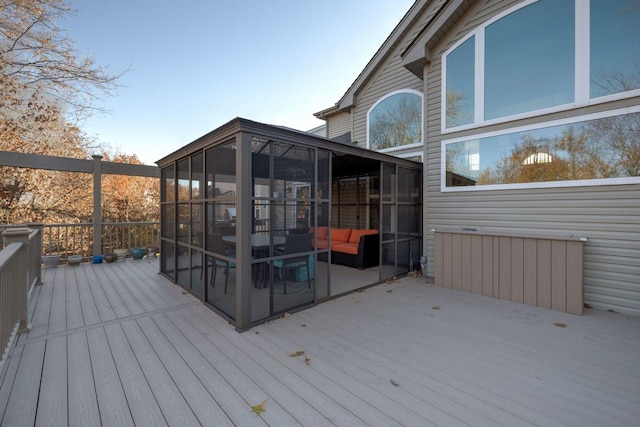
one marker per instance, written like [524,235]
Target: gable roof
[415,55]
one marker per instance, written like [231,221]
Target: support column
[21,235]
[243,231]
[97,204]
[35,251]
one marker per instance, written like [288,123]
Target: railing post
[97,204]
[35,250]
[21,235]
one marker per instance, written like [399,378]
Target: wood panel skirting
[540,271]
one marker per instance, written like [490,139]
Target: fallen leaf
[286,315]
[389,290]
[307,359]
[303,326]
[393,383]
[259,408]
[560,325]
[435,307]
[184,292]
[297,353]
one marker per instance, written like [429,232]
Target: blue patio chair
[294,244]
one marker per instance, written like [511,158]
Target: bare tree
[45,87]
[36,54]
[397,122]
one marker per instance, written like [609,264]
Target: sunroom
[259,220]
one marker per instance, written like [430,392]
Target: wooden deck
[117,344]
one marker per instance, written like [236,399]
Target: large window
[521,72]
[614,52]
[460,84]
[542,56]
[395,121]
[584,148]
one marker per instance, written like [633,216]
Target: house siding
[608,215]
[389,77]
[338,124]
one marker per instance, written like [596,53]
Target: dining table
[260,243]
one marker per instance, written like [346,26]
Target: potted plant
[137,253]
[51,261]
[74,259]
[120,253]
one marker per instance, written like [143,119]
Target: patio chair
[216,245]
[294,244]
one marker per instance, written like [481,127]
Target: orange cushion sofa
[352,247]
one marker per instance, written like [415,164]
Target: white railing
[20,271]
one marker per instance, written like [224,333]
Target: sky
[193,66]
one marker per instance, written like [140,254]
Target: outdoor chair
[294,244]
[216,245]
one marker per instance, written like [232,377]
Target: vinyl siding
[609,216]
[389,77]
[338,124]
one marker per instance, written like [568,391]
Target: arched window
[395,120]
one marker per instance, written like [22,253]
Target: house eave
[419,53]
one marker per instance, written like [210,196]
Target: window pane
[221,171]
[197,223]
[409,185]
[183,180]
[169,188]
[184,220]
[168,221]
[529,59]
[615,56]
[396,121]
[409,223]
[595,149]
[167,256]
[196,176]
[460,93]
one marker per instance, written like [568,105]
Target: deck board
[106,311]
[230,401]
[58,314]
[53,387]
[23,398]
[114,409]
[144,407]
[252,363]
[175,408]
[41,307]
[118,344]
[90,314]
[83,402]
[73,307]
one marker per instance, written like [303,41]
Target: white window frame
[545,184]
[400,147]
[581,73]
[412,154]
